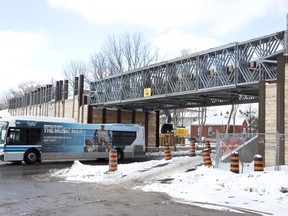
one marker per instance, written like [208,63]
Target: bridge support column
[282,105]
[280,114]
[146,129]
[157,128]
[90,114]
[119,116]
[104,111]
[261,120]
[133,117]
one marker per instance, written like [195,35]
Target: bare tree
[176,116]
[73,69]
[124,53]
[114,54]
[232,115]
[229,118]
[236,106]
[98,68]
[28,87]
[4,100]
[138,53]
[21,90]
[202,115]
[250,112]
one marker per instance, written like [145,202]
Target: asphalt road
[30,190]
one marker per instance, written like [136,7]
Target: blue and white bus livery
[35,139]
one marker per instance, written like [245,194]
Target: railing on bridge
[233,67]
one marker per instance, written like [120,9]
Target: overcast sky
[39,37]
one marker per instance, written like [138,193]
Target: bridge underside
[212,97]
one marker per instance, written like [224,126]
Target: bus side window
[33,136]
[123,137]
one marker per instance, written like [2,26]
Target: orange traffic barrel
[113,160]
[192,149]
[206,157]
[258,163]
[234,162]
[167,153]
[208,146]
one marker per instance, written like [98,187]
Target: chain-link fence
[271,147]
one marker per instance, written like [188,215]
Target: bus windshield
[3,132]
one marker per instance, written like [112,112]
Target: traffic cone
[192,149]
[234,164]
[208,146]
[258,163]
[167,153]
[113,160]
[207,157]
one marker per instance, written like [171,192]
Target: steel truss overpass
[228,74]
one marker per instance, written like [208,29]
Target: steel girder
[223,75]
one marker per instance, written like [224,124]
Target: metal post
[218,156]
[277,164]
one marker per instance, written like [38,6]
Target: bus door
[12,151]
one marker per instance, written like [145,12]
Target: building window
[199,131]
[210,131]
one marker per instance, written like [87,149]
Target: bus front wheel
[31,157]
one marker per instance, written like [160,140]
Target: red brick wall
[219,128]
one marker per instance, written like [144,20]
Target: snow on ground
[187,180]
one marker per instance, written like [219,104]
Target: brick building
[218,123]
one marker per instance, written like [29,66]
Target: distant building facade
[216,123]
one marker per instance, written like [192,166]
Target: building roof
[221,120]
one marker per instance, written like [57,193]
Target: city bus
[35,139]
